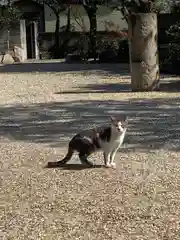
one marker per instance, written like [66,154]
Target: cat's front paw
[113,165]
[108,165]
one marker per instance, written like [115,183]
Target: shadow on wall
[154,124]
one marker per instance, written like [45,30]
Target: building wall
[79,19]
[3,40]
[13,37]
[31,10]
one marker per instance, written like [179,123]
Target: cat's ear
[125,119]
[113,119]
[125,122]
[119,119]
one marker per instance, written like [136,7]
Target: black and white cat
[107,139]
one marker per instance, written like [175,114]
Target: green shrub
[173,59]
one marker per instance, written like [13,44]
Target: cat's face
[119,124]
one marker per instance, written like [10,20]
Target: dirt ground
[42,106]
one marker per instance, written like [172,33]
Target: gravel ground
[42,106]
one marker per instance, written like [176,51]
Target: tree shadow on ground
[42,67]
[100,88]
[154,124]
[169,85]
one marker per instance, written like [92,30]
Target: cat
[107,139]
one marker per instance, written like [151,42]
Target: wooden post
[23,38]
[36,40]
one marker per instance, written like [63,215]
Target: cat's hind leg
[83,158]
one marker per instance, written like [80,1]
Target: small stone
[18,54]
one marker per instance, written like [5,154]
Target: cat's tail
[63,161]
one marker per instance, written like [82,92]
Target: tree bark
[91,12]
[143,47]
[57,34]
[68,28]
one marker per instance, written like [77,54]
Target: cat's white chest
[115,141]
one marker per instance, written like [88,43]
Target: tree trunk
[57,34]
[91,12]
[68,28]
[143,46]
